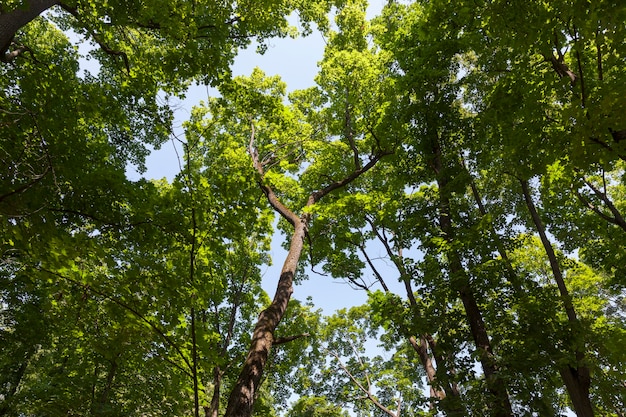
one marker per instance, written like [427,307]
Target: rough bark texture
[421,348]
[500,403]
[12,21]
[577,378]
[241,399]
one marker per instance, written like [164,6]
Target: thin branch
[129,308]
[377,274]
[26,186]
[599,55]
[608,147]
[583,91]
[287,339]
[594,208]
[349,133]
[558,62]
[554,263]
[367,392]
[10,56]
[289,215]
[617,218]
[97,38]
[347,180]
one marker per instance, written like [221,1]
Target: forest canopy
[462,164]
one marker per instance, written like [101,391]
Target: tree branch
[366,391]
[617,218]
[287,339]
[273,199]
[98,39]
[347,180]
[10,56]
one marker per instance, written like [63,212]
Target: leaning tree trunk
[242,396]
[443,390]
[576,376]
[14,20]
[500,403]
[241,400]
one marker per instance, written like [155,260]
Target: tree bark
[421,348]
[449,398]
[14,20]
[577,378]
[500,403]
[242,397]
[213,410]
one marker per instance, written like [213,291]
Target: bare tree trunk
[242,397]
[577,378]
[12,21]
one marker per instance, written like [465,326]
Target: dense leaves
[463,163]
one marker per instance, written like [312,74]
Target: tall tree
[278,142]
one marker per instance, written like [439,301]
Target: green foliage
[315,407]
[122,297]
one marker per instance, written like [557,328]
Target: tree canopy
[463,164]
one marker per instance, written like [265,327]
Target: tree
[257,103]
[165,45]
[466,159]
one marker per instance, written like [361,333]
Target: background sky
[295,60]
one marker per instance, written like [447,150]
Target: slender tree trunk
[421,348]
[452,404]
[213,410]
[12,21]
[16,378]
[194,362]
[242,397]
[500,403]
[106,392]
[617,217]
[449,398]
[512,275]
[577,378]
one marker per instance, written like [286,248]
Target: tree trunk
[242,397]
[8,397]
[421,348]
[106,392]
[500,403]
[577,378]
[213,410]
[449,397]
[512,275]
[12,21]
